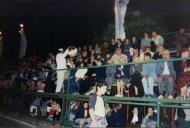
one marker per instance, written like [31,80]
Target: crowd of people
[124,75]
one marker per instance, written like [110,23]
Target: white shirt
[61,61]
[158,40]
[166,69]
[122,73]
[135,118]
[99,107]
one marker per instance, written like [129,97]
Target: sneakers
[170,97]
[161,96]
[118,95]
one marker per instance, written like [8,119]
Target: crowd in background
[163,79]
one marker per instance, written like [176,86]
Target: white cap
[61,49]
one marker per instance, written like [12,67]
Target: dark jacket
[125,70]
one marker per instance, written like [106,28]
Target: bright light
[22,25]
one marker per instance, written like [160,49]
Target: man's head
[166,54]
[159,48]
[118,51]
[150,110]
[127,41]
[154,34]
[185,53]
[101,88]
[147,56]
[145,35]
[147,49]
[182,30]
[113,41]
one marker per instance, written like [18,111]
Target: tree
[136,25]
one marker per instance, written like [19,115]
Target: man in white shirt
[61,64]
[158,39]
[117,56]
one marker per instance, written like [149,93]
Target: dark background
[50,24]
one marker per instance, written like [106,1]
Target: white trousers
[148,85]
[60,79]
[33,108]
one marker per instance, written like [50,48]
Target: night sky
[50,24]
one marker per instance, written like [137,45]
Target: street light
[21,25]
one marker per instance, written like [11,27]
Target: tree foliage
[136,25]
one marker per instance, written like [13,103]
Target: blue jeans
[102,122]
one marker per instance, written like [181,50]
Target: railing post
[67,98]
[62,107]
[158,114]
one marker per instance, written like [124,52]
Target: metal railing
[22,96]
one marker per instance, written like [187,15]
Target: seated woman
[135,87]
[82,116]
[122,75]
[135,117]
[183,73]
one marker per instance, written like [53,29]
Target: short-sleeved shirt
[97,103]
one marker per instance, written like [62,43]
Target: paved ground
[14,120]
[10,119]
[6,123]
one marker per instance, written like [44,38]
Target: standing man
[1,45]
[97,108]
[61,64]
